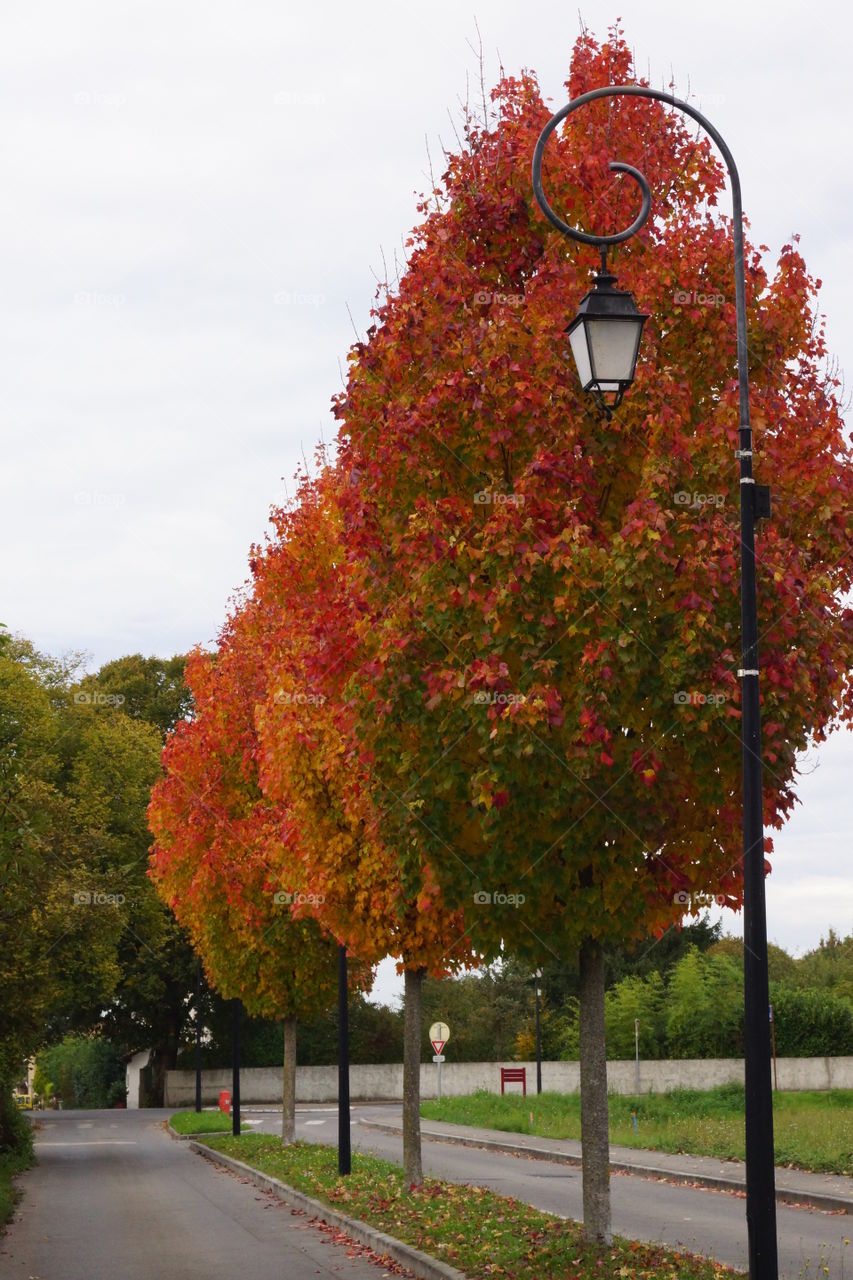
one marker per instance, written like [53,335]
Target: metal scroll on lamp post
[605,339]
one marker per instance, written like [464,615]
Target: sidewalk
[828,1191]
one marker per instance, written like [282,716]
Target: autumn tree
[219,856]
[361,874]
[549,635]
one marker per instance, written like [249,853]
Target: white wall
[320,1084]
[134,1066]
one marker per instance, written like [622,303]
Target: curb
[784,1195]
[185,1137]
[423,1266]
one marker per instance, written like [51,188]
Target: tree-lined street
[113,1197]
[522,679]
[113,1194]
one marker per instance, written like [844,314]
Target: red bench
[514,1075]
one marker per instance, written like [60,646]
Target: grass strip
[11,1163]
[193,1122]
[812,1131]
[483,1234]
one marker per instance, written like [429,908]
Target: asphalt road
[712,1223]
[113,1197]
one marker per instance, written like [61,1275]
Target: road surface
[113,1197]
[712,1223]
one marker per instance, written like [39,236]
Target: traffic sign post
[439,1034]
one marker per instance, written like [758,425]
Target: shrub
[635,998]
[811,1024]
[84,1071]
[705,1008]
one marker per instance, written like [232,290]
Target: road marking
[84,1124]
[313,1121]
[92,1142]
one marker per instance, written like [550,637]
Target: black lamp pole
[538,1037]
[235,1067]
[344,1156]
[755,503]
[198,1034]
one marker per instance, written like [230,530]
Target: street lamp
[754,504]
[605,340]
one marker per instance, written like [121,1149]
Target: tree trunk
[595,1139]
[412,1166]
[164,1057]
[288,1084]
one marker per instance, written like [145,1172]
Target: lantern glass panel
[580,351]
[613,345]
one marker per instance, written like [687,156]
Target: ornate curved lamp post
[605,339]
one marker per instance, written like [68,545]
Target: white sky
[192,195]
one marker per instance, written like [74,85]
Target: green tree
[704,1008]
[829,967]
[149,689]
[485,1013]
[83,1071]
[811,1023]
[60,917]
[780,966]
[90,945]
[643,999]
[153,997]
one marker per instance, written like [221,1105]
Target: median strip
[441,1230]
[419,1263]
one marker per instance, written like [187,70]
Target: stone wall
[320,1084]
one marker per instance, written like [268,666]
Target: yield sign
[438,1045]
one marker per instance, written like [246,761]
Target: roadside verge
[421,1264]
[793,1194]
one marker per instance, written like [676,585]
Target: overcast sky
[192,196]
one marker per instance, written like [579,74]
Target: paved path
[795,1186]
[113,1197]
[708,1222]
